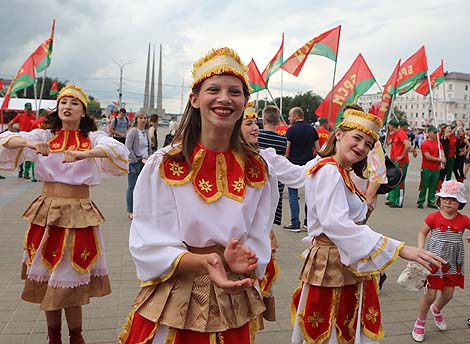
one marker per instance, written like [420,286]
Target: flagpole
[275,104]
[42,90]
[282,83]
[445,98]
[332,89]
[35,97]
[434,113]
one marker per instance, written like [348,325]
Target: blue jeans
[134,171]
[294,206]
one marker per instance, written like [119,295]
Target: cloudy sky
[91,34]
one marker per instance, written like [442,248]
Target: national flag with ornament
[24,78]
[357,80]
[275,64]
[388,92]
[412,71]
[43,54]
[255,78]
[54,89]
[324,45]
[436,78]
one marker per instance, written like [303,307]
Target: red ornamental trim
[53,248]
[33,240]
[69,140]
[214,174]
[344,174]
[84,249]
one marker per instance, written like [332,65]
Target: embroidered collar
[214,174]
[69,140]
[344,173]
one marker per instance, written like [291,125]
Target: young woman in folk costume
[203,210]
[338,301]
[64,262]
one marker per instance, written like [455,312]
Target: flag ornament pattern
[412,71]
[43,54]
[324,45]
[436,78]
[255,79]
[54,89]
[357,80]
[24,78]
[388,93]
[275,64]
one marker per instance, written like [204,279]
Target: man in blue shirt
[302,140]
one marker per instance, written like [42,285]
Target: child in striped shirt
[446,227]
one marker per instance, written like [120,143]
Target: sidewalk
[21,322]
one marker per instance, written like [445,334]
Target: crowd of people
[206,278]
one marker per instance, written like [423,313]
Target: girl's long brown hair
[189,131]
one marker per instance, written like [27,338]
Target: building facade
[451,102]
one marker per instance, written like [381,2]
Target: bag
[168,139]
[394,176]
[413,277]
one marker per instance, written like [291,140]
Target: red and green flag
[255,78]
[324,45]
[54,89]
[357,80]
[436,78]
[412,71]
[24,78]
[275,64]
[387,95]
[43,54]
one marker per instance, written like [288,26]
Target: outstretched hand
[218,275]
[72,156]
[421,256]
[240,258]
[40,147]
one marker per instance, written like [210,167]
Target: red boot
[53,335]
[460,180]
[76,336]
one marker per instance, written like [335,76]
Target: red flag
[436,78]
[389,91]
[255,78]
[325,45]
[54,89]
[275,64]
[1,84]
[43,54]
[24,78]
[357,80]
[412,71]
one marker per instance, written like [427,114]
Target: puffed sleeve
[286,172]
[259,235]
[362,249]
[155,242]
[117,154]
[10,159]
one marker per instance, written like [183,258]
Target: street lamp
[121,67]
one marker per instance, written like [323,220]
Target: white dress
[71,213]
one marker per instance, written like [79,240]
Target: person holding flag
[399,148]
[64,261]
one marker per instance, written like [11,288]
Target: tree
[308,101]
[94,107]
[400,115]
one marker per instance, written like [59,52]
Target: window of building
[466,87]
[411,105]
[465,97]
[464,106]
[416,115]
[422,115]
[451,87]
[406,106]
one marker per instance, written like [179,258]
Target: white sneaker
[441,325]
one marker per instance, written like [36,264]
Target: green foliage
[94,107]
[400,115]
[308,101]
